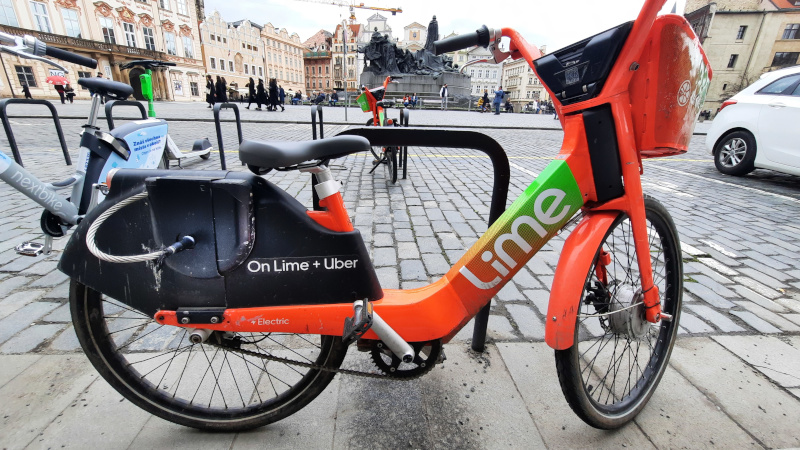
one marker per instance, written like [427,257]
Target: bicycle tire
[391,158]
[611,403]
[161,378]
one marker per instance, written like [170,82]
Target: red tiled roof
[785,4]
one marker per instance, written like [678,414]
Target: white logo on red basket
[683,93]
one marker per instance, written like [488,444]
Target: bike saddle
[147,64]
[107,88]
[385,103]
[279,154]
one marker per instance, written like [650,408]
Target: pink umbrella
[57,79]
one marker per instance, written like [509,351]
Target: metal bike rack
[217,108]
[111,104]
[12,142]
[424,137]
[403,156]
[317,109]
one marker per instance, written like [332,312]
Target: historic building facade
[522,84]
[346,68]
[233,51]
[414,36]
[284,57]
[744,39]
[318,61]
[113,32]
[484,75]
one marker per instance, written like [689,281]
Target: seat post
[94,112]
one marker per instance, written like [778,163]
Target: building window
[164,4]
[732,61]
[230,66]
[169,41]
[7,14]
[740,34]
[188,47]
[71,24]
[182,7]
[130,34]
[40,17]
[791,31]
[213,63]
[261,71]
[724,86]
[785,59]
[25,75]
[246,69]
[108,30]
[149,39]
[194,88]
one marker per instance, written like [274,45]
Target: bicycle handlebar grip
[451,44]
[64,55]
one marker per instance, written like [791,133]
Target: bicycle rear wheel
[209,386]
[618,358]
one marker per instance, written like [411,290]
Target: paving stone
[41,268]
[413,284]
[435,264]
[759,299]
[382,240]
[17,300]
[385,256]
[524,279]
[719,320]
[9,285]
[412,269]
[769,355]
[30,338]
[67,341]
[387,276]
[716,266]
[510,293]
[404,235]
[18,264]
[450,241]
[429,245]
[694,325]
[528,323]
[51,279]
[759,288]
[756,322]
[540,299]
[769,316]
[407,250]
[60,292]
[705,294]
[61,314]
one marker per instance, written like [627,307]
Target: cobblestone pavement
[739,235]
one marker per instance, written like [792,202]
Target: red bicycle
[248,316]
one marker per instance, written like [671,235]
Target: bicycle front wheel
[391,160]
[618,358]
[222,384]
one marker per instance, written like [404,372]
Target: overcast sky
[553,23]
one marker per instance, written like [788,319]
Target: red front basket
[669,88]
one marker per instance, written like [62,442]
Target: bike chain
[319,367]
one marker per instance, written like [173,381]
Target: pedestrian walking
[222,90]
[498,99]
[273,96]
[60,90]
[261,95]
[251,92]
[210,91]
[281,95]
[26,91]
[69,92]
[443,94]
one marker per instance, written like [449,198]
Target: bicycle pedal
[360,323]
[29,249]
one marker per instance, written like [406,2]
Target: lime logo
[500,260]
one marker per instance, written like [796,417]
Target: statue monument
[422,72]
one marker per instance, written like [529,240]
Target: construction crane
[352,5]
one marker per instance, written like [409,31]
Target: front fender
[574,263]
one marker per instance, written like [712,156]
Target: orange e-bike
[372,101]
[234,305]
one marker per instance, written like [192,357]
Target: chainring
[426,356]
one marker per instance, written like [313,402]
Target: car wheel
[735,153]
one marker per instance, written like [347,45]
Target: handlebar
[28,47]
[147,64]
[481,37]
[64,55]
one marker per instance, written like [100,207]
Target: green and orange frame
[565,186]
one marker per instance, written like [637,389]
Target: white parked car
[759,128]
